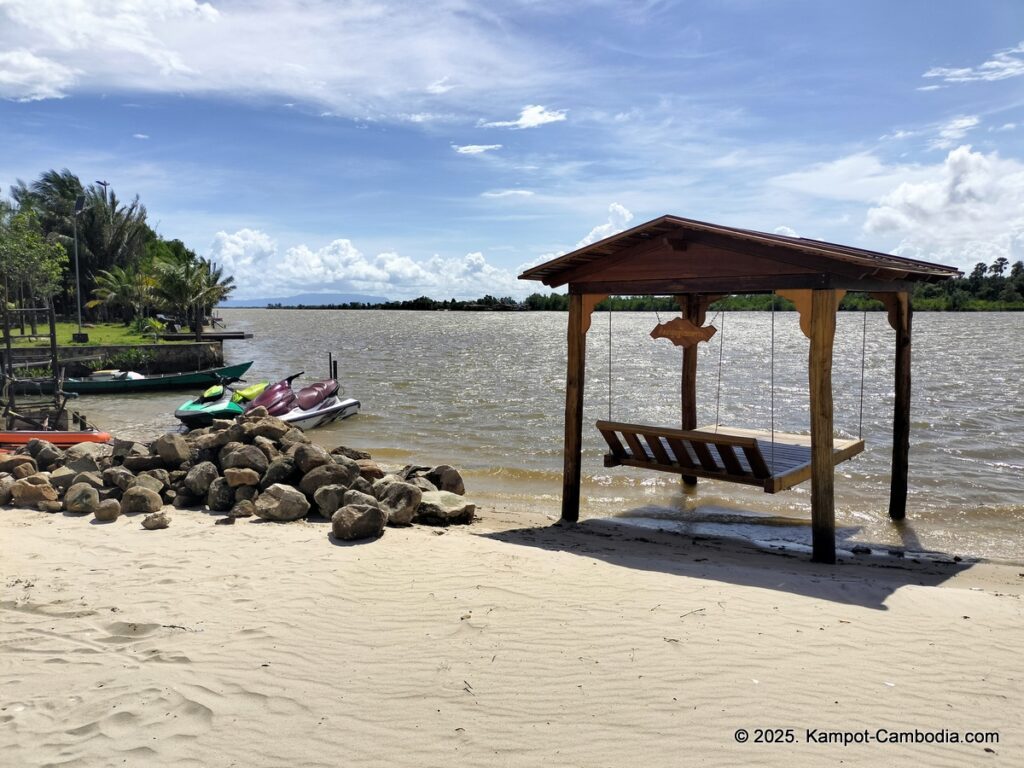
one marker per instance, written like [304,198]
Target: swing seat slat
[710,453]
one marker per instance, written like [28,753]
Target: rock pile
[255,466]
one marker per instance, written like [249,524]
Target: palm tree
[131,290]
[192,286]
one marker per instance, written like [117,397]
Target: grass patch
[100,334]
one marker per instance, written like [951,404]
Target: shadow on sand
[866,580]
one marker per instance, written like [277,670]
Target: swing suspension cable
[718,386]
[609,362]
[863,350]
[771,383]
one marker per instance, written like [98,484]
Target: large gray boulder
[28,491]
[198,479]
[269,427]
[400,501]
[108,510]
[6,481]
[444,508]
[8,463]
[145,480]
[358,522]
[138,500]
[308,457]
[281,503]
[95,479]
[173,449]
[280,470]
[237,476]
[118,477]
[62,478]
[447,478]
[246,457]
[358,498]
[327,474]
[353,453]
[88,457]
[329,499]
[220,497]
[45,453]
[82,498]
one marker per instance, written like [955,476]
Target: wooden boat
[104,382]
[58,438]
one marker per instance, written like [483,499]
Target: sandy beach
[506,642]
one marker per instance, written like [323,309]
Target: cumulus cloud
[1003,64]
[261,269]
[950,133]
[973,210]
[475,149]
[531,116]
[619,217]
[785,231]
[27,77]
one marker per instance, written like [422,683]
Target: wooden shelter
[698,262]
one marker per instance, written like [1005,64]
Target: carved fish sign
[682,332]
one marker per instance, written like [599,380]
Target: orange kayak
[21,437]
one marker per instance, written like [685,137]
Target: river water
[485,392]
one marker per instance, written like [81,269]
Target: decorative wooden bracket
[682,332]
[893,303]
[590,300]
[802,298]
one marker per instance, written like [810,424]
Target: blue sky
[402,148]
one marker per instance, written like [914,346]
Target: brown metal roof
[844,259]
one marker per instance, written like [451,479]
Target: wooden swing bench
[733,455]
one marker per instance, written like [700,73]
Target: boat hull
[60,439]
[153,383]
[318,418]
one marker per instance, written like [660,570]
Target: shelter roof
[671,254]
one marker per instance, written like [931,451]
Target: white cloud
[27,77]
[141,136]
[950,133]
[440,86]
[930,88]
[785,231]
[531,116]
[260,269]
[475,149]
[1003,64]
[897,135]
[618,219]
[973,210]
[507,193]
[860,177]
[1003,128]
[358,59]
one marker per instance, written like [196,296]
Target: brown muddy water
[485,392]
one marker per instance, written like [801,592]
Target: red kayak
[60,439]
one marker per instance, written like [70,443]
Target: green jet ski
[221,401]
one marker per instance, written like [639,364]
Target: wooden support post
[580,308]
[897,304]
[693,308]
[901,410]
[823,513]
[52,318]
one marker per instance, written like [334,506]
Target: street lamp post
[106,184]
[79,337]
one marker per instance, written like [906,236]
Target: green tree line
[126,270]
